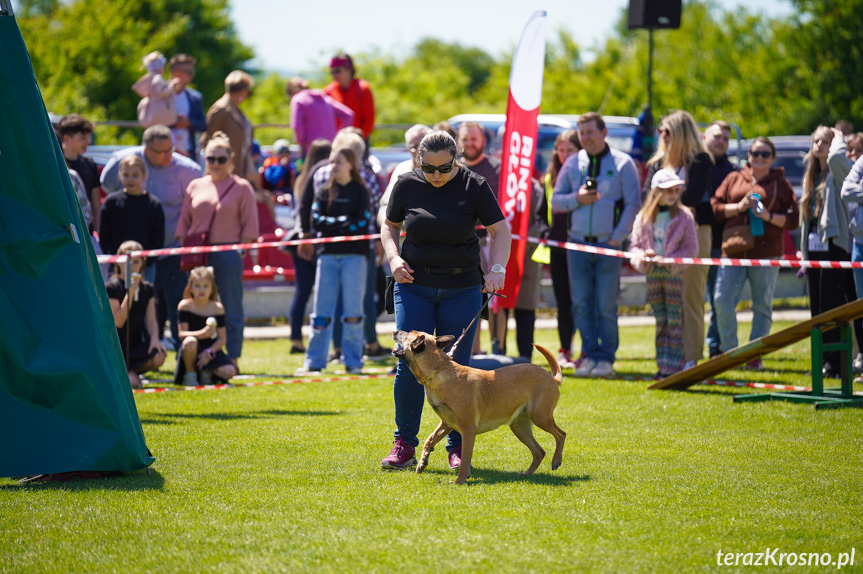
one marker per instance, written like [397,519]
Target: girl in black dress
[135,309]
[201,321]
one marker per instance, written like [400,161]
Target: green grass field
[287,478]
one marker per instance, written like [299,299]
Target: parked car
[621,133]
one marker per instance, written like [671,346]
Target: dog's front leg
[441,431]
[468,435]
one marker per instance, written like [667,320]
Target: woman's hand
[402,272]
[493,282]
[156,345]
[134,284]
[208,332]
[745,203]
[204,358]
[306,251]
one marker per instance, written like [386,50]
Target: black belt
[449,270]
[591,239]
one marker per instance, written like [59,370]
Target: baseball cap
[281,145]
[667,178]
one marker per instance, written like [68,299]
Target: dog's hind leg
[545,421]
[522,428]
[441,431]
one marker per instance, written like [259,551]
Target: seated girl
[201,321]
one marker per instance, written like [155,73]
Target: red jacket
[358,98]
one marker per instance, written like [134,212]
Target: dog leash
[457,341]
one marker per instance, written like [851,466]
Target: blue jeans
[729,286]
[369,331]
[594,284]
[173,283]
[228,269]
[857,255]
[304,281]
[712,338]
[335,273]
[439,312]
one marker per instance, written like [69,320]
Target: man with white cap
[413,136]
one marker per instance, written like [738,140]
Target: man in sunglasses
[168,176]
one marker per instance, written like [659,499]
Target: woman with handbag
[757,204]
[219,209]
[826,235]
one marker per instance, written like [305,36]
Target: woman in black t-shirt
[439,283]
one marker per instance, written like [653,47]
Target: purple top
[316,115]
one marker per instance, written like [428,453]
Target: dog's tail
[552,362]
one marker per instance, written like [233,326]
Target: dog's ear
[418,344]
[443,341]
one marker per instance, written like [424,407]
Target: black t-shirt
[88,171]
[124,217]
[197,322]
[137,318]
[347,214]
[440,226]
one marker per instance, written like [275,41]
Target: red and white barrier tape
[230,247]
[714,261]
[224,386]
[715,382]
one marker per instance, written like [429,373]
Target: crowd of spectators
[163,191]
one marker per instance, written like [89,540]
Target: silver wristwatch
[498,268]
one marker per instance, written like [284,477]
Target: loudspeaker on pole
[654,14]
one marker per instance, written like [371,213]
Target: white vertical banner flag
[518,148]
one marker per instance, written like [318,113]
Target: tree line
[768,75]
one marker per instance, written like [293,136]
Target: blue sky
[301,36]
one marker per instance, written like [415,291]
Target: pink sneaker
[455,458]
[400,457]
[755,365]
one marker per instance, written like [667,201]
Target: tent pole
[5,7]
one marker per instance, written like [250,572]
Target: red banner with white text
[518,147]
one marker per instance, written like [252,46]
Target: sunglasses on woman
[763,154]
[441,168]
[217,159]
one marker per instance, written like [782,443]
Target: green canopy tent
[65,400]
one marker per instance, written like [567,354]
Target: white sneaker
[586,368]
[688,365]
[602,369]
[304,371]
[564,361]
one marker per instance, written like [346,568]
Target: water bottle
[756,225]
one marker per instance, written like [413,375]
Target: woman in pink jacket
[664,228]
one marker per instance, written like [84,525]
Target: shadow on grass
[489,476]
[174,418]
[130,481]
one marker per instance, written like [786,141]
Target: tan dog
[473,401]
